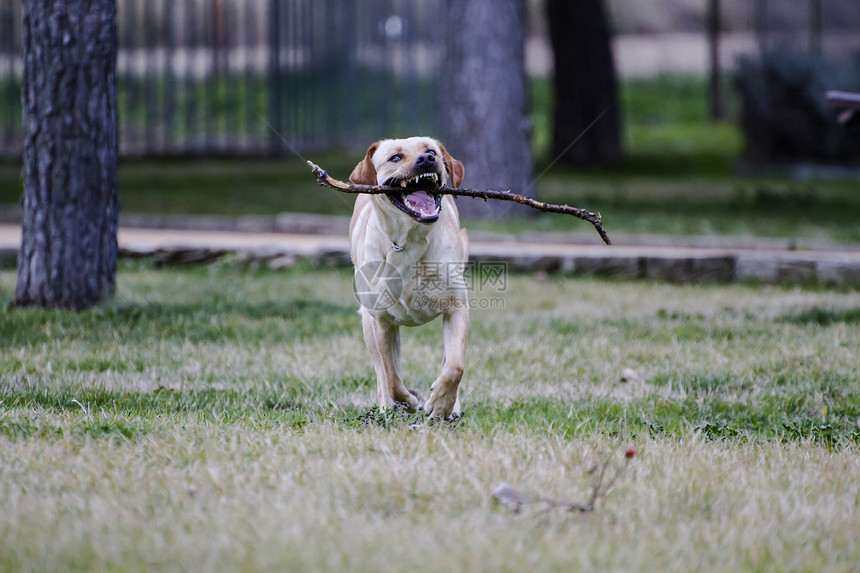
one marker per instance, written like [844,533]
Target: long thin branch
[326,180]
[848,100]
[848,104]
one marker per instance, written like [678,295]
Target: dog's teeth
[417,179]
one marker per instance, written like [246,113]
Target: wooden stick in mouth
[325,180]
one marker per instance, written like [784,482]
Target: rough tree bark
[68,253]
[485,121]
[586,86]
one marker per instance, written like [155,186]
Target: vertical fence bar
[232,34]
[250,63]
[188,95]
[150,79]
[295,31]
[274,80]
[394,95]
[332,71]
[5,78]
[410,73]
[210,76]
[348,94]
[226,91]
[7,95]
[761,26]
[127,13]
[238,65]
[260,131]
[303,88]
[715,103]
[169,95]
[815,27]
[311,68]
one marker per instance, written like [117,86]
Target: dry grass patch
[211,419]
[204,496]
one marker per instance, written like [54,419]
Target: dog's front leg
[443,401]
[383,342]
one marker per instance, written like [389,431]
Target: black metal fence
[815,26]
[257,76]
[10,78]
[810,28]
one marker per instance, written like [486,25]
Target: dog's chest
[411,273]
[429,285]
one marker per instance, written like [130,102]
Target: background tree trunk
[68,253]
[585,84]
[485,121]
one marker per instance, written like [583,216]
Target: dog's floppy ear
[365,173]
[454,167]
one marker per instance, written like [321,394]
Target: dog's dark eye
[431,152]
[395,158]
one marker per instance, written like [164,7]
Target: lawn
[219,419]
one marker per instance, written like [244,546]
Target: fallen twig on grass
[595,219]
[600,486]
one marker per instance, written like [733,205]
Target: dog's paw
[410,399]
[419,402]
[443,405]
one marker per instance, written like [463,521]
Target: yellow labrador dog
[409,255]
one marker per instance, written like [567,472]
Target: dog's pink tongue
[421,202]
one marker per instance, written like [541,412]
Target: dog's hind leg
[383,342]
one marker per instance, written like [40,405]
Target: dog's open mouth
[418,200]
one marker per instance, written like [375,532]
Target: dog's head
[417,165]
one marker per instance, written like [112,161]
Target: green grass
[233,186]
[237,323]
[221,419]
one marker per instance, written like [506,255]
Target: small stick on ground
[595,219]
[509,496]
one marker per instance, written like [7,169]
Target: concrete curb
[690,264]
[681,264]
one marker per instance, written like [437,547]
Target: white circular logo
[377,285]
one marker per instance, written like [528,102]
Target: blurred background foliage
[214,120]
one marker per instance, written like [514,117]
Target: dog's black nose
[426,160]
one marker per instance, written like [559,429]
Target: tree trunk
[586,87]
[68,253]
[485,121]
